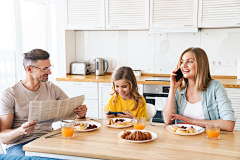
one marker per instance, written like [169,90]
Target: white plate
[154,136]
[113,126]
[197,128]
[87,122]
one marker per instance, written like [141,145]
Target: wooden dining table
[103,143]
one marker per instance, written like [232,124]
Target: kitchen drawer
[73,89]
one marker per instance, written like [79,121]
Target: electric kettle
[100,67]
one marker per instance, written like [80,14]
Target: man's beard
[43,79]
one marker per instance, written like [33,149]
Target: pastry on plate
[174,128]
[181,130]
[123,123]
[110,122]
[136,136]
[191,129]
[125,133]
[80,126]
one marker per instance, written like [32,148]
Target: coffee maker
[101,66]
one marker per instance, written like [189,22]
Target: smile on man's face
[40,73]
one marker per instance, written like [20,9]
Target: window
[34,32]
[7,49]
[25,25]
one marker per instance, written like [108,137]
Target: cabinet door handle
[97,27]
[187,25]
[76,84]
[238,23]
[150,97]
[113,26]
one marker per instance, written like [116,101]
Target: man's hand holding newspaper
[54,109]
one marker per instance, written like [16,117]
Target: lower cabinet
[90,89]
[234,96]
[104,96]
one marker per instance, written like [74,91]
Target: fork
[98,119]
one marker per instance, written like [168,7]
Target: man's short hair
[33,56]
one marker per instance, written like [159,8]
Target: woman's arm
[170,104]
[169,107]
[224,124]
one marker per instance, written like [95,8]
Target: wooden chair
[151,111]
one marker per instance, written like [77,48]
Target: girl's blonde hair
[203,77]
[127,74]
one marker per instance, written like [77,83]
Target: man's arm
[8,135]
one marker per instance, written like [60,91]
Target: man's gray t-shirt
[16,99]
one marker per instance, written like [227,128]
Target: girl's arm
[170,104]
[110,107]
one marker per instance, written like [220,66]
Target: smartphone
[179,75]
[115,113]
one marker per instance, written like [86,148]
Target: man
[15,130]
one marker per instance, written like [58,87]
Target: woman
[196,98]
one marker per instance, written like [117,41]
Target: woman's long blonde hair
[127,74]
[203,77]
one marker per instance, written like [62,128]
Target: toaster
[80,68]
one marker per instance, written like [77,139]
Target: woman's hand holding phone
[176,79]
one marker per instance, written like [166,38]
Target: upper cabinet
[173,14]
[85,14]
[156,15]
[219,14]
[127,14]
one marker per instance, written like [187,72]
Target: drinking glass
[67,130]
[213,131]
[139,123]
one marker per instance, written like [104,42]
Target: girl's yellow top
[122,105]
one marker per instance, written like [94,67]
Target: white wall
[157,52]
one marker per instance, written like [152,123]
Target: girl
[125,97]
[199,100]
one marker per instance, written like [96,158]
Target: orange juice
[213,133]
[139,126]
[67,132]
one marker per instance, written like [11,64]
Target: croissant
[137,135]
[125,133]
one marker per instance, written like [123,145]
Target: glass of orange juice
[67,130]
[213,131]
[139,123]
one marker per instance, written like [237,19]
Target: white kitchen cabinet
[127,14]
[219,14]
[104,96]
[90,89]
[234,96]
[85,14]
[173,15]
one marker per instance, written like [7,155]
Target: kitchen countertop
[227,83]
[103,143]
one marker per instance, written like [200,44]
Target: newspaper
[53,109]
